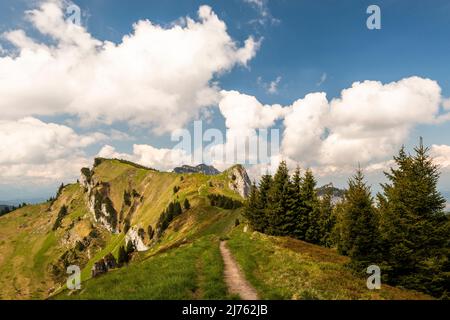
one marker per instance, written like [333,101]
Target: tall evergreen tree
[296,205]
[327,219]
[279,222]
[130,247]
[122,256]
[263,201]
[186,204]
[150,232]
[252,210]
[359,236]
[414,226]
[309,223]
[177,210]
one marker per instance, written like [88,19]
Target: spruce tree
[123,256]
[186,204]
[359,237]
[327,219]
[309,223]
[296,205]
[263,201]
[252,210]
[177,209]
[150,232]
[130,248]
[279,222]
[414,226]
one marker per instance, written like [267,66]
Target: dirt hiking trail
[234,278]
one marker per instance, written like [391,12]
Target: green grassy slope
[185,263]
[191,271]
[285,268]
[279,268]
[29,247]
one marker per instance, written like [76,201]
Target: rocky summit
[201,168]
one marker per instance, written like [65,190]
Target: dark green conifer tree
[415,229]
[177,209]
[296,205]
[277,207]
[263,201]
[252,210]
[359,237]
[186,204]
[309,224]
[130,248]
[327,219]
[123,256]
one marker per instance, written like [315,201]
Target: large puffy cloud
[31,149]
[367,124]
[304,127]
[30,140]
[244,112]
[157,76]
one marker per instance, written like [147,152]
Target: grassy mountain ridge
[38,255]
[184,263]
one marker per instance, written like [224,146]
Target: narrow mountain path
[234,278]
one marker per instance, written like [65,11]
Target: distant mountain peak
[337,195]
[201,168]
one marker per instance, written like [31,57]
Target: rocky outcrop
[102,208]
[136,239]
[239,180]
[201,168]
[99,203]
[86,179]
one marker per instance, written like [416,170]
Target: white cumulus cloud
[34,150]
[156,76]
[367,124]
[31,141]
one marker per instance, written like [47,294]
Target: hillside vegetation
[403,233]
[285,268]
[38,242]
[34,257]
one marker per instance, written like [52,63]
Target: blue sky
[309,46]
[311,38]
